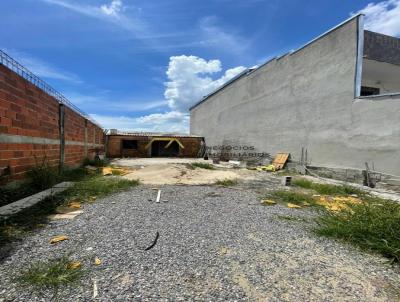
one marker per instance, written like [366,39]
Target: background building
[338,97]
[143,144]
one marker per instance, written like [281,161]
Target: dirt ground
[172,171]
[213,243]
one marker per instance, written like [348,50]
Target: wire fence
[16,67]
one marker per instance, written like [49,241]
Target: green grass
[98,187]
[373,225]
[77,174]
[326,189]
[39,179]
[50,274]
[283,196]
[227,182]
[203,166]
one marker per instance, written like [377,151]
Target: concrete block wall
[29,129]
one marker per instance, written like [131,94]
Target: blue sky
[139,65]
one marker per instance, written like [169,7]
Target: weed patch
[372,225]
[51,274]
[287,197]
[98,187]
[227,182]
[327,189]
[203,166]
[42,177]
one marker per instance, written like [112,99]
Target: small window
[366,91]
[129,144]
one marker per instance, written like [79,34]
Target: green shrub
[42,176]
[327,189]
[73,174]
[373,225]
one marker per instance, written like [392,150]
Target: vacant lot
[215,244]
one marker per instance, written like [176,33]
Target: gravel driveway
[215,244]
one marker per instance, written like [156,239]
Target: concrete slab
[70,215]
[30,201]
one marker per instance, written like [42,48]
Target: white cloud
[113,9]
[113,12]
[383,17]
[43,69]
[172,122]
[189,80]
[220,38]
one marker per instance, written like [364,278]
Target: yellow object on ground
[74,204]
[97,261]
[268,202]
[280,160]
[337,203]
[223,251]
[269,168]
[58,239]
[74,265]
[107,171]
[293,206]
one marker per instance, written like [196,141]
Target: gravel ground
[215,244]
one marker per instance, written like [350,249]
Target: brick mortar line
[21,139]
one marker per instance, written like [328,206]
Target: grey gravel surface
[215,244]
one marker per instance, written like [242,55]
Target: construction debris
[280,160]
[58,239]
[154,242]
[269,168]
[97,261]
[293,206]
[107,171]
[74,204]
[95,289]
[268,202]
[74,265]
[286,180]
[337,203]
[69,215]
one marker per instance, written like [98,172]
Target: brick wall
[114,146]
[29,129]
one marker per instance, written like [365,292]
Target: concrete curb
[27,202]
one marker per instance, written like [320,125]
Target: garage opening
[158,149]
